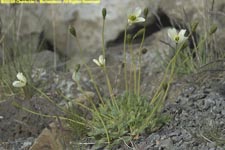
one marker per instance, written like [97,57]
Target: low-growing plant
[126,122]
[124,117]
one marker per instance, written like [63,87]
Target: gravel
[198,123]
[18,144]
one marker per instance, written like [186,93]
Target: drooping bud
[77,67]
[72,31]
[104,12]
[76,73]
[213,29]
[194,25]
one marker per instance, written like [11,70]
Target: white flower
[100,62]
[134,17]
[176,36]
[21,82]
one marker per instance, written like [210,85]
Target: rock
[166,144]
[151,60]
[20,30]
[197,11]
[48,139]
[46,59]
[53,21]
[87,19]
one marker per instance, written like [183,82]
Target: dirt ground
[17,123]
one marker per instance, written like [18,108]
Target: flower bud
[212,29]
[194,25]
[104,12]
[72,31]
[77,67]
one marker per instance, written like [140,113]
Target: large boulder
[51,22]
[20,29]
[54,21]
[87,19]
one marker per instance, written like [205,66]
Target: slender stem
[48,116]
[3,54]
[78,103]
[165,75]
[99,115]
[110,88]
[103,39]
[49,99]
[80,48]
[54,40]
[139,62]
[124,59]
[131,68]
[99,95]
[94,83]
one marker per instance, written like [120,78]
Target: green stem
[165,75]
[94,84]
[80,48]
[54,103]
[110,88]
[132,67]
[124,59]
[90,100]
[48,116]
[139,62]
[103,39]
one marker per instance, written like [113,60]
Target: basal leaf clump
[126,122]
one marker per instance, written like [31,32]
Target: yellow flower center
[176,38]
[132,18]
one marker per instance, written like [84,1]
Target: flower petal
[130,22]
[182,33]
[140,19]
[101,60]
[137,12]
[18,84]
[96,62]
[182,36]
[172,32]
[182,39]
[21,77]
